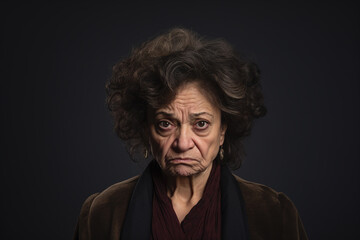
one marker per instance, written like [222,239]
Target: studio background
[57,142]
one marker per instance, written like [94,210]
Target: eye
[164,125]
[201,125]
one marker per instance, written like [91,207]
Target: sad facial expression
[186,134]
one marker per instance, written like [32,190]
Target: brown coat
[270,214]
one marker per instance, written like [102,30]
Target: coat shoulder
[105,210]
[117,192]
[257,191]
[270,214]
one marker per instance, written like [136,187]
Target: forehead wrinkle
[173,110]
[195,115]
[164,113]
[188,103]
[192,115]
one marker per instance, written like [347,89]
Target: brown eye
[201,125]
[165,125]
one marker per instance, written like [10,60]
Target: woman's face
[185,135]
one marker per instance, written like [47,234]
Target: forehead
[192,98]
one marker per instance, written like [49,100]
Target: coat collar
[234,220]
[137,224]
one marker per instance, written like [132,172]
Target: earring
[146,153]
[221,153]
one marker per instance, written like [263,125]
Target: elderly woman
[187,103]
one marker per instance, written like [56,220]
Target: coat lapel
[233,218]
[137,224]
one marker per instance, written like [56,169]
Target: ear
[222,133]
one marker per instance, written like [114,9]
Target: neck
[187,189]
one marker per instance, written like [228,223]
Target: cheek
[212,143]
[209,147]
[159,146]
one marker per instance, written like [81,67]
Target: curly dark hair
[153,72]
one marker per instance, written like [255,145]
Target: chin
[182,170]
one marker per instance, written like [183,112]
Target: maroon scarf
[202,222]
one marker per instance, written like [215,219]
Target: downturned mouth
[179,160]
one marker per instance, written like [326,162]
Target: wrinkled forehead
[184,93]
[189,100]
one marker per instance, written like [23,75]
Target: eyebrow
[192,115]
[201,113]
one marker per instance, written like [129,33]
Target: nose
[183,141]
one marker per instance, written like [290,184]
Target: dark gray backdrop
[57,143]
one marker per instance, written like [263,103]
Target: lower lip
[186,160]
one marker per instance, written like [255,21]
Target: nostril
[184,141]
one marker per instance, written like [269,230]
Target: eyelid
[202,128]
[164,128]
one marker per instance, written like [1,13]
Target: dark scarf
[137,224]
[202,222]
